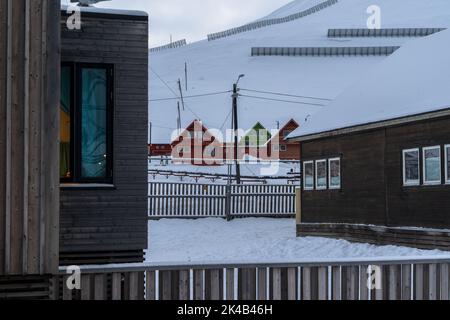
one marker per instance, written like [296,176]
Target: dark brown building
[394,175]
[104,112]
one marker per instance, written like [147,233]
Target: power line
[285,101]
[193,96]
[174,93]
[285,94]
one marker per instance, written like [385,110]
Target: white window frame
[329,174]
[283,148]
[316,171]
[412,182]
[431,183]
[305,163]
[446,148]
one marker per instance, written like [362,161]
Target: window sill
[87,186]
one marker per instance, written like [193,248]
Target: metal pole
[235,129]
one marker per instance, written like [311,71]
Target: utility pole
[235,129]
[181,93]
[186,75]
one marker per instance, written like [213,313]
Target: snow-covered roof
[414,80]
[92,9]
[213,66]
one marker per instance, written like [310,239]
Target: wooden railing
[374,279]
[183,200]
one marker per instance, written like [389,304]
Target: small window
[411,171]
[334,173]
[432,165]
[321,174]
[447,164]
[308,175]
[283,148]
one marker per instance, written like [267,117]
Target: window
[411,171]
[308,175]
[334,173]
[321,174]
[447,164]
[283,148]
[86,123]
[432,165]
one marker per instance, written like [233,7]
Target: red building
[287,150]
[160,149]
[197,145]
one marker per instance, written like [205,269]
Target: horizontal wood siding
[372,179]
[112,220]
[362,197]
[29,130]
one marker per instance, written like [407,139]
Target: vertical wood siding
[115,219]
[29,129]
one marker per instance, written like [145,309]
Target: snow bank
[250,240]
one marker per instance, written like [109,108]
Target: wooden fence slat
[363,283]
[86,287]
[100,287]
[292,284]
[336,282]
[323,283]
[150,285]
[230,284]
[306,283]
[406,282]
[432,282]
[262,284]
[67,293]
[184,285]
[418,282]
[198,285]
[444,281]
[394,282]
[134,286]
[276,284]
[116,286]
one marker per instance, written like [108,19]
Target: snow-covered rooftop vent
[87,3]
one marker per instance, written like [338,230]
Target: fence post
[298,205]
[228,203]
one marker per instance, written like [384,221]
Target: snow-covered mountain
[213,66]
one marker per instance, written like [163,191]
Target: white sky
[194,19]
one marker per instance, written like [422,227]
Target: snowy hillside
[213,66]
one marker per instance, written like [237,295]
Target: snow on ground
[256,239]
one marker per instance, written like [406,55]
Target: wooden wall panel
[112,220]
[29,95]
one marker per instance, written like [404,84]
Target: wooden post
[298,205]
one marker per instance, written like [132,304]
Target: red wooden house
[282,149]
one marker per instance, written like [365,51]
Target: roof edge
[373,125]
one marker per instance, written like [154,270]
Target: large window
[432,165]
[447,164]
[308,175]
[321,174]
[334,173]
[411,167]
[86,123]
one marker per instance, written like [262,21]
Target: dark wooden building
[29,129]
[104,112]
[393,175]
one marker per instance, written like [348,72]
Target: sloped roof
[414,80]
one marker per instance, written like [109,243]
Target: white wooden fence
[347,279]
[184,200]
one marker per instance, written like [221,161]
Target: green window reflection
[66,122]
[94,123]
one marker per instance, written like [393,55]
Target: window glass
[321,174]
[411,167]
[93,123]
[308,171]
[335,173]
[65,119]
[432,165]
